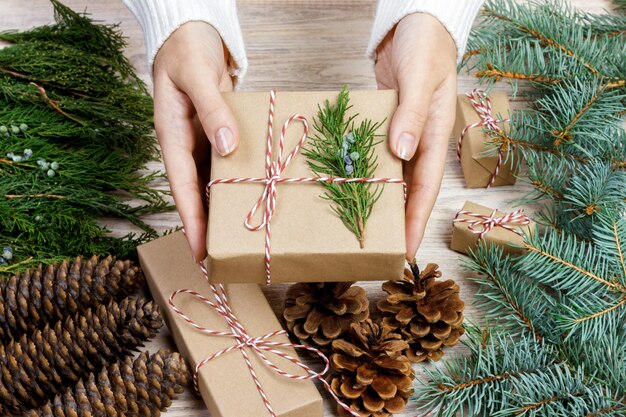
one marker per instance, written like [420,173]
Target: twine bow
[487,223]
[482,104]
[273,176]
[261,345]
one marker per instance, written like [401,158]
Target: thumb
[409,119]
[218,121]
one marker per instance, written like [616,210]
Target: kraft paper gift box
[225,383]
[309,242]
[464,240]
[479,158]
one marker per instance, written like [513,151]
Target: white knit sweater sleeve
[160,18]
[456,16]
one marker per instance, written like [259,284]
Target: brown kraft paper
[226,385]
[309,242]
[477,161]
[463,240]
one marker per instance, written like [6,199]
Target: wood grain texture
[301,45]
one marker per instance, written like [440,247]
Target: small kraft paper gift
[266,202]
[227,342]
[475,222]
[484,162]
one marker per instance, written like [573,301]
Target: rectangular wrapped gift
[502,229]
[479,158]
[309,242]
[225,383]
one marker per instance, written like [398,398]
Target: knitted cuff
[456,16]
[160,18]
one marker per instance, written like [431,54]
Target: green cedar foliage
[555,345]
[75,135]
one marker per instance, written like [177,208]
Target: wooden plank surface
[302,45]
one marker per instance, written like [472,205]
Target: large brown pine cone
[35,297]
[127,388]
[44,363]
[427,312]
[370,371]
[318,313]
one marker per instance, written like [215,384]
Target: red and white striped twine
[261,345]
[489,222]
[273,176]
[482,104]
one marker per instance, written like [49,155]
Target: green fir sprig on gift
[342,148]
[554,343]
[75,135]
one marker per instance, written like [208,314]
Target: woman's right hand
[192,119]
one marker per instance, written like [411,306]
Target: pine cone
[35,297]
[143,387]
[318,313]
[41,365]
[427,312]
[372,374]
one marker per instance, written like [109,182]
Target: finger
[410,116]
[173,121]
[218,121]
[426,171]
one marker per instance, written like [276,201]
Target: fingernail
[224,141]
[406,146]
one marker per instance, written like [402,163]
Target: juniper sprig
[75,135]
[342,148]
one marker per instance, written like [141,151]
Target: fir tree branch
[573,267]
[497,74]
[546,40]
[565,133]
[603,312]
[605,411]
[505,295]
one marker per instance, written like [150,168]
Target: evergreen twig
[341,148]
[557,347]
[75,135]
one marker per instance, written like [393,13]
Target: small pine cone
[370,371]
[427,312]
[318,313]
[35,297]
[42,364]
[127,388]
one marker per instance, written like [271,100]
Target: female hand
[190,72]
[418,58]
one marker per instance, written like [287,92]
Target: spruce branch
[508,376]
[341,148]
[509,300]
[567,293]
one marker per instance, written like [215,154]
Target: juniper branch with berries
[75,135]
[341,148]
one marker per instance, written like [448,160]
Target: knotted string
[482,104]
[273,176]
[261,345]
[489,222]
